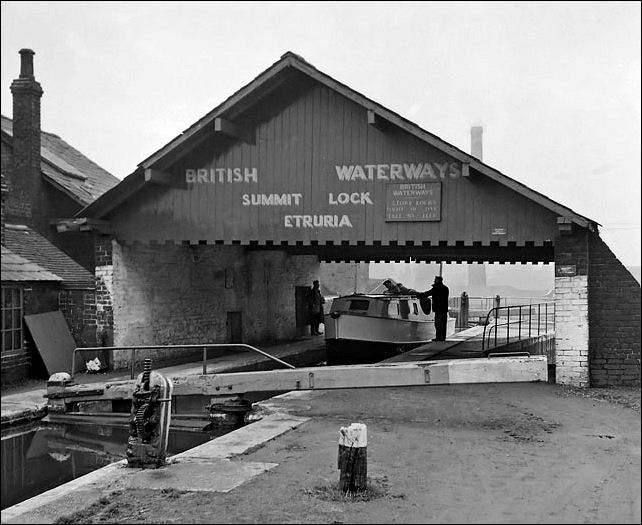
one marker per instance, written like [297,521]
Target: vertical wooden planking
[312,233]
[287,184]
[324,158]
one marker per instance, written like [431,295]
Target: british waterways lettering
[412,171]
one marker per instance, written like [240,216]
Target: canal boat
[366,328]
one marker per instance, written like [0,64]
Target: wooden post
[353,458]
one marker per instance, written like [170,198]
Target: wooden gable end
[306,164]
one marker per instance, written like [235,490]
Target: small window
[404,309]
[11,318]
[393,309]
[359,305]
[415,309]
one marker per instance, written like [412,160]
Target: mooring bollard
[149,420]
[353,458]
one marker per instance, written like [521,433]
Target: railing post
[133,361]
[539,309]
[205,360]
[496,316]
[530,315]
[546,316]
[519,325]
[507,323]
[498,303]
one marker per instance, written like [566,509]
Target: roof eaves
[114,196]
[203,122]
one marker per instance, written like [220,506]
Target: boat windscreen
[359,304]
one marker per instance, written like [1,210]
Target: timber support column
[571,306]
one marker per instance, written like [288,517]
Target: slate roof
[68,169]
[15,268]
[36,249]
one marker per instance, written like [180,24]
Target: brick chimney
[25,178]
[3,193]
[476,149]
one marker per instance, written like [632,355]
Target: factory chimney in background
[476,272]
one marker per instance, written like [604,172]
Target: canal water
[41,456]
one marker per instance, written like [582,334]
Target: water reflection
[43,456]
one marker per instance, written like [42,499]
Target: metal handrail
[496,314]
[162,347]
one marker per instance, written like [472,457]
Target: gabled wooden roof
[278,74]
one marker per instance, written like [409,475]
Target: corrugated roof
[67,168]
[27,243]
[16,268]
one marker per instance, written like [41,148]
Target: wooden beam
[231,129]
[446,372]
[82,224]
[565,225]
[163,178]
[377,121]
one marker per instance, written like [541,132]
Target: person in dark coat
[439,293]
[395,288]
[315,308]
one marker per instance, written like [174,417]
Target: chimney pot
[26,63]
[476,149]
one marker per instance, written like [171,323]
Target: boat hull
[358,339]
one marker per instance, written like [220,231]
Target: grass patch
[88,514]
[375,488]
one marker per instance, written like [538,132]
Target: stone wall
[182,294]
[343,278]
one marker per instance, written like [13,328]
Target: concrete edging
[276,421]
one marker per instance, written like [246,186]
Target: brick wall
[183,294]
[571,310]
[104,274]
[571,331]
[78,306]
[614,317]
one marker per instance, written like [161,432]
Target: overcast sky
[556,86]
